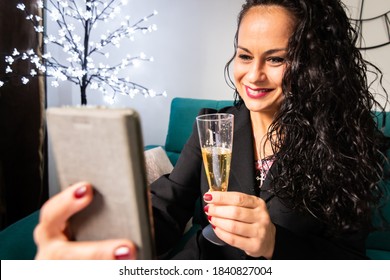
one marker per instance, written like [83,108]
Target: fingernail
[80,192]
[206,208]
[207,197]
[123,253]
[209,218]
[213,226]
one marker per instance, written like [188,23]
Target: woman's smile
[257,92]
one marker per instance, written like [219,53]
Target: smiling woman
[260,63]
[22,185]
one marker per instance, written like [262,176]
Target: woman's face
[260,61]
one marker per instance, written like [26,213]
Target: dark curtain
[23,176]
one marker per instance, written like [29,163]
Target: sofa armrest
[17,242]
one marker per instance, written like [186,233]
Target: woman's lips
[258,92]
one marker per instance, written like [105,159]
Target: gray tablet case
[104,147]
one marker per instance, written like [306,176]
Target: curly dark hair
[329,150]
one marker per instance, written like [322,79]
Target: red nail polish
[209,218]
[206,208]
[80,192]
[213,226]
[123,253]
[207,197]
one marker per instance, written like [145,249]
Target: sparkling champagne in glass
[216,142]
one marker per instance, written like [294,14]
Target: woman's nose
[257,73]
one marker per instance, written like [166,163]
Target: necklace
[262,167]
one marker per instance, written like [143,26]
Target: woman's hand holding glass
[51,234]
[242,221]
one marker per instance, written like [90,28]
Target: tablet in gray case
[104,147]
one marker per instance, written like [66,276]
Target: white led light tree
[86,61]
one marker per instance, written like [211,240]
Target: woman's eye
[276,60]
[244,57]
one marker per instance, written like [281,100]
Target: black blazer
[174,198]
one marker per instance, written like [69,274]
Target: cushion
[173,156]
[157,164]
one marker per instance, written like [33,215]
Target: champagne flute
[216,142]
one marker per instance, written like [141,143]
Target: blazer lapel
[242,176]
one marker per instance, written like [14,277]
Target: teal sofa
[378,242]
[16,241]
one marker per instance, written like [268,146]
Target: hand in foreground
[241,221]
[50,234]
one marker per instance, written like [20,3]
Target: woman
[302,122]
